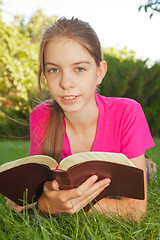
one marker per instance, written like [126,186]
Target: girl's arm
[127,206]
[16,207]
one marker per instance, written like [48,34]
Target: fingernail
[107,181]
[94,178]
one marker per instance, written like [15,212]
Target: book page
[41,159]
[91,156]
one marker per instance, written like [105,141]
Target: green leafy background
[19,44]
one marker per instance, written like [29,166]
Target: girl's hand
[55,201]
[16,207]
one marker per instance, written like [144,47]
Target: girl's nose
[66,81]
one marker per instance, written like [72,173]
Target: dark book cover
[25,182]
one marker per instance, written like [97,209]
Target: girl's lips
[69,99]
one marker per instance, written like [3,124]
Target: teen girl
[79,120]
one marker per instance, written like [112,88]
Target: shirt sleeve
[136,136]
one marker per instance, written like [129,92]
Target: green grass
[11,150]
[81,225]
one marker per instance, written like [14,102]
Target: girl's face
[72,74]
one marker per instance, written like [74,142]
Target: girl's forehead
[63,41]
[65,47]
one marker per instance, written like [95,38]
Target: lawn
[81,225]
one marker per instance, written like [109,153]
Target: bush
[126,76]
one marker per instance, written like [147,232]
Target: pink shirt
[122,128]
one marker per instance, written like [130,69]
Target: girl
[78,120]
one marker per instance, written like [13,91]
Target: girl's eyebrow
[50,63]
[82,62]
[76,63]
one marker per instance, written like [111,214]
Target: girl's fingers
[89,186]
[50,187]
[89,197]
[81,190]
[55,185]
[89,192]
[86,189]
[70,200]
[66,195]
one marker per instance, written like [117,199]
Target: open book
[30,173]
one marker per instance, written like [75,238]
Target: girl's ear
[102,69]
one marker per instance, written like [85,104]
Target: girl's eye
[80,69]
[53,70]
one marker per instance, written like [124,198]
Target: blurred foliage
[151,6]
[19,44]
[132,78]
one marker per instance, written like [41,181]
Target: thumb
[55,185]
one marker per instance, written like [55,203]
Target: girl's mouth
[69,99]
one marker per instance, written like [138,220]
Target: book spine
[63,179]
